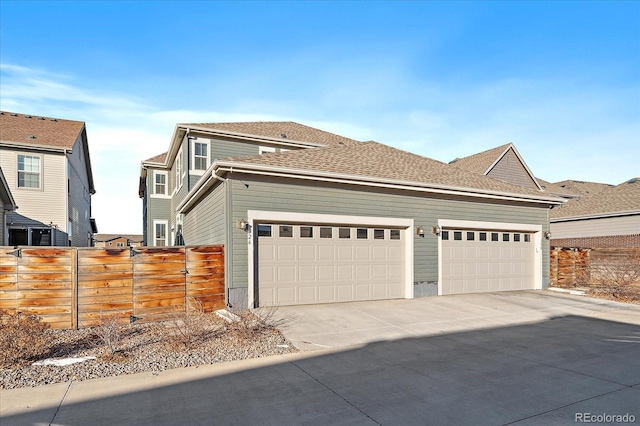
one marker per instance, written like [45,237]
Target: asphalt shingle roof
[378,161]
[621,198]
[276,129]
[160,158]
[480,162]
[583,188]
[39,131]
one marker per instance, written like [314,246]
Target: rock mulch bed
[143,348]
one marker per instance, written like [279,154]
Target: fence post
[74,289]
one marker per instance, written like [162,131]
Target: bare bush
[619,275]
[23,338]
[109,331]
[189,326]
[249,324]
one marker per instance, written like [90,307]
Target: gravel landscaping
[151,347]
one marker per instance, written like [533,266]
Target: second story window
[29,171]
[200,156]
[160,183]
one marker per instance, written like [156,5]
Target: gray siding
[277,195]
[205,223]
[625,225]
[510,169]
[221,148]
[79,196]
[157,209]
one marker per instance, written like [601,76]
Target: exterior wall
[3,222]
[279,195]
[622,225]
[79,197]
[112,243]
[610,241]
[38,207]
[205,223]
[221,148]
[510,169]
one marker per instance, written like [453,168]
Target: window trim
[179,171]
[192,160]
[154,194]
[40,172]
[166,232]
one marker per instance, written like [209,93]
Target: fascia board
[10,144]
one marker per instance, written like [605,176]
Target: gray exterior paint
[205,223]
[511,169]
[79,196]
[275,194]
[221,148]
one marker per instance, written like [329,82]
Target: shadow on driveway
[540,373]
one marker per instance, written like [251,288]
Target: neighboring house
[117,240]
[48,170]
[8,205]
[307,216]
[607,218]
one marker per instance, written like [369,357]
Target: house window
[159,233]
[160,183]
[29,171]
[179,172]
[200,156]
[120,245]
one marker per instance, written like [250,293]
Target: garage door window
[494,236]
[516,238]
[445,235]
[505,237]
[457,235]
[306,232]
[326,232]
[286,231]
[527,238]
[264,230]
[362,233]
[378,234]
[483,236]
[395,234]
[344,233]
[471,236]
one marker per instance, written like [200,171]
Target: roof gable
[503,162]
[6,198]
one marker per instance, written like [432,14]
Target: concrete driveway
[513,358]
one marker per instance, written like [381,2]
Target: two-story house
[47,167]
[307,216]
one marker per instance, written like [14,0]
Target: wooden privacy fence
[74,287]
[570,267]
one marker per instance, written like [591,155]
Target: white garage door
[475,261]
[305,264]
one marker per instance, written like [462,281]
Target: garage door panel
[326,252]
[482,260]
[306,252]
[303,268]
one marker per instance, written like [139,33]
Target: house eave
[224,167]
[595,216]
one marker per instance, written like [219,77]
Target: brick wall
[612,241]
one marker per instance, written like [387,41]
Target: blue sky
[561,80]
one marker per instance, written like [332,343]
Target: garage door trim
[535,230]
[255,217]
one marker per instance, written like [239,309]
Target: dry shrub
[188,327]
[619,276]
[23,338]
[109,331]
[250,324]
